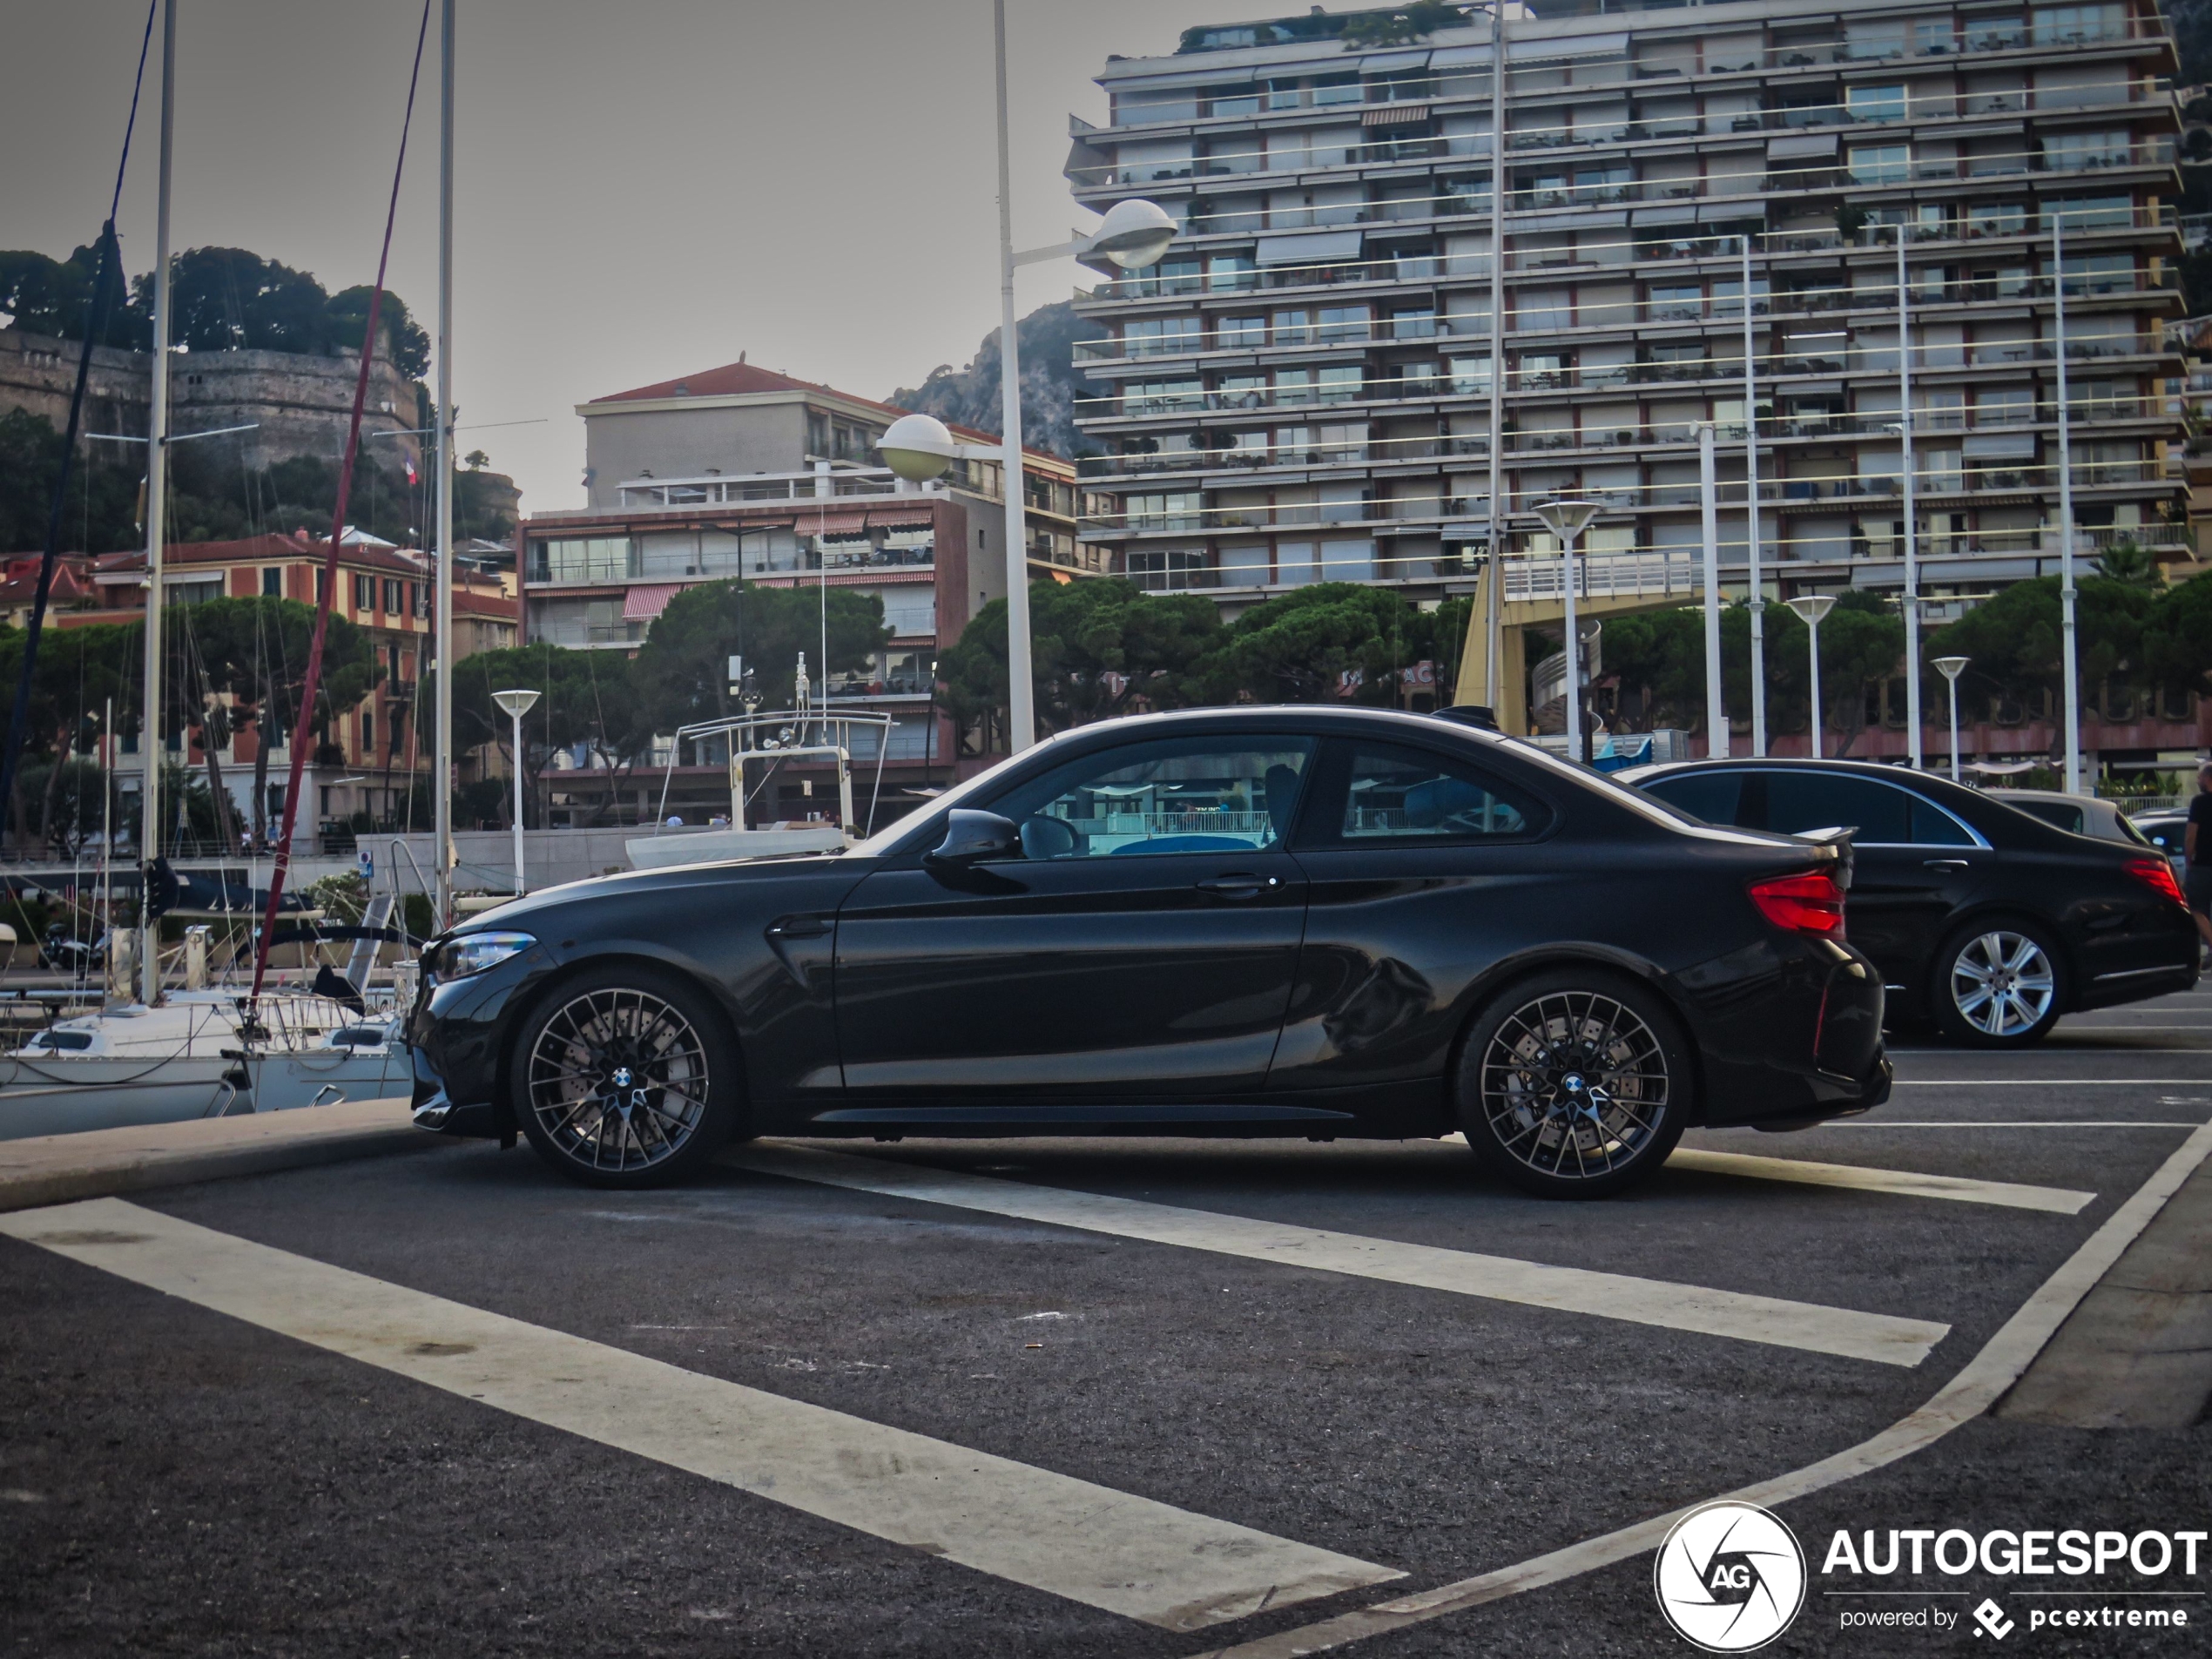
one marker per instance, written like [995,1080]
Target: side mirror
[975,838]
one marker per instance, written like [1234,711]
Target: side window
[1409,797]
[1798,801]
[1712,796]
[1185,795]
[1932,827]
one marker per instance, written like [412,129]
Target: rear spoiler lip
[1833,845]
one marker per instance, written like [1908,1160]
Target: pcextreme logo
[1729,1577]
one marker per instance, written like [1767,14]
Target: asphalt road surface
[1115,1398]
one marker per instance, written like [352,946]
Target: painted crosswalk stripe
[1643,1301]
[1089,1543]
[2057,1201]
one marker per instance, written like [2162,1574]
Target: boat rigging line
[304,731]
[108,276]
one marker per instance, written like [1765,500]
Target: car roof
[1987,812]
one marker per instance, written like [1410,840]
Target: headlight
[472,954]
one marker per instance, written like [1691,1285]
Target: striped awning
[833,522]
[645,602]
[1394,115]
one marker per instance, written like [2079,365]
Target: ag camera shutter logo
[1729,1577]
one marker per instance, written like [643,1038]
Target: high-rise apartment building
[1301,391]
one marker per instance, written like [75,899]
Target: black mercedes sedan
[1987,922]
[1289,921]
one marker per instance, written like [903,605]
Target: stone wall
[301,404]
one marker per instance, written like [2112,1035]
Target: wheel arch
[1487,987]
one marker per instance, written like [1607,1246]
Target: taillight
[1810,902]
[2158,875]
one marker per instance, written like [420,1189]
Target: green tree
[683,668]
[2012,641]
[585,697]
[1307,645]
[404,338]
[50,296]
[1660,654]
[2177,638]
[1100,649]
[103,492]
[256,651]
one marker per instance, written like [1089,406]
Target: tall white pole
[1914,742]
[1709,493]
[442,562]
[1022,718]
[2068,646]
[150,835]
[1954,728]
[1812,626]
[1493,620]
[519,888]
[1573,653]
[1751,520]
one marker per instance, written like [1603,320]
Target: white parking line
[1966,1396]
[2019,1123]
[1613,1296]
[2056,1201]
[2041,1083]
[1089,1543]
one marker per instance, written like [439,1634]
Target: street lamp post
[1708,498]
[1952,667]
[1568,520]
[517,704]
[1812,607]
[1132,236]
[2068,641]
[1751,518]
[1909,461]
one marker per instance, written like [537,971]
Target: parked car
[1318,922]
[2101,820]
[2164,829]
[1984,919]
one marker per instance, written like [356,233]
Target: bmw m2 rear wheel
[1997,985]
[623,1078]
[1573,1084]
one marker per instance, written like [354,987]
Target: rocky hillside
[1051,384]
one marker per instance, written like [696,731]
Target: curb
[61,1168]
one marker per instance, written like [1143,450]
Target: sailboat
[209,1051]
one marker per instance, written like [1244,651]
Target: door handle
[1239,886]
[1947,864]
[799,928]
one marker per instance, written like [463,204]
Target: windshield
[892,838]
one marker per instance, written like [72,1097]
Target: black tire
[1525,1093]
[1997,983]
[625,1076]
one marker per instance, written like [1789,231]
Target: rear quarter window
[1712,797]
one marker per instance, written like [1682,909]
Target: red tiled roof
[275,545]
[742,379]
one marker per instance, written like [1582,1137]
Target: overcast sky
[642,188]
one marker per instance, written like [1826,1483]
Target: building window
[1880,163]
[598,558]
[393,602]
[2079,25]
[272,582]
[364,592]
[2071,152]
[1160,337]
[1167,571]
[1175,511]
[1241,333]
[193,593]
[1875,102]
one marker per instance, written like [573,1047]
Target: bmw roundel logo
[1730,1577]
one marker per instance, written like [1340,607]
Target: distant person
[675,820]
[2197,847]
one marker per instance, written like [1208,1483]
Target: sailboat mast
[156,513]
[441,570]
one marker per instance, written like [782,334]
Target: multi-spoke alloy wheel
[619,1082]
[1572,1085]
[1998,986]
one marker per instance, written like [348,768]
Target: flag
[413,478]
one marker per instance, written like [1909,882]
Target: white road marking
[1613,1296]
[2056,1201]
[2016,1123]
[1089,1543]
[1966,1396]
[2042,1083]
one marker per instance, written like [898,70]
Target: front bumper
[455,1035]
